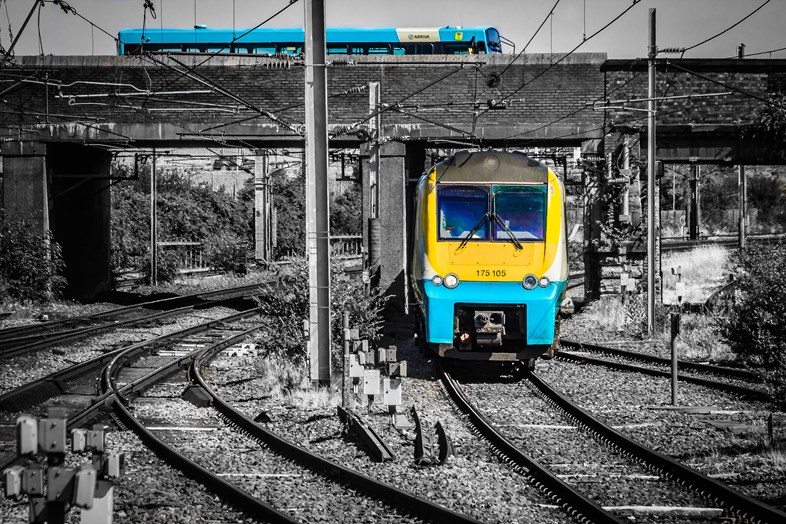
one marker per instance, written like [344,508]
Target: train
[448,40]
[489,264]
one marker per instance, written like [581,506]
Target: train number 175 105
[491,272]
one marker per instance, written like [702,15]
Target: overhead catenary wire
[728,86]
[713,37]
[566,55]
[523,50]
[235,39]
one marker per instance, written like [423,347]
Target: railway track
[116,382]
[622,359]
[80,380]
[701,485]
[396,497]
[573,502]
[35,337]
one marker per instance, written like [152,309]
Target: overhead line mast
[317,216]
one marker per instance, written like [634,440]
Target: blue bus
[448,40]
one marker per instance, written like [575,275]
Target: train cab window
[462,208]
[522,209]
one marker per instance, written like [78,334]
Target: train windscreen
[462,210]
[522,210]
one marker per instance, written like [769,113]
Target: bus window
[265,50]
[379,49]
[457,49]
[492,36]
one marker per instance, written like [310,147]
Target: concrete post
[317,212]
[262,209]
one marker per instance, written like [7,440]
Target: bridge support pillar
[391,179]
[80,204]
[25,185]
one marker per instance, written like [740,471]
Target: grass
[703,270]
[281,376]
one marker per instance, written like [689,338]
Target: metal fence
[189,255]
[346,246]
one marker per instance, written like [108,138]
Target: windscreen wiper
[473,231]
[508,231]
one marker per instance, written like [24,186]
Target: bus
[448,40]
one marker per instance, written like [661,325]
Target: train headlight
[543,282]
[451,280]
[530,282]
[436,280]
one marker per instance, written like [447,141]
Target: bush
[755,328]
[220,250]
[167,270]
[287,302]
[186,212]
[31,265]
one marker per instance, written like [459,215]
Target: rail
[369,486]
[547,481]
[736,502]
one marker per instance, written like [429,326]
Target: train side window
[460,209]
[523,211]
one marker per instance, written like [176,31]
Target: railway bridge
[65,116]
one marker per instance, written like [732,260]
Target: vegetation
[31,264]
[186,212]
[286,303]
[755,328]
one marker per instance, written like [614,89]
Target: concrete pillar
[26,190]
[416,166]
[81,216]
[392,182]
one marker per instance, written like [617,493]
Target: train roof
[499,167]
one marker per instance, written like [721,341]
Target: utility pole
[153,223]
[743,204]
[693,225]
[652,51]
[317,213]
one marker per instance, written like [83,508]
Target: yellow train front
[489,266]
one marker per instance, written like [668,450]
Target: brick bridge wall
[37,92]
[440,99]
